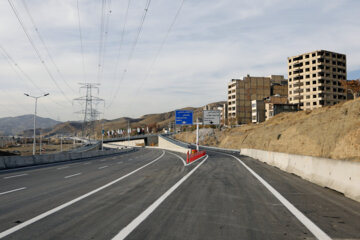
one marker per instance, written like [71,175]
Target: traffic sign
[211,117]
[184,117]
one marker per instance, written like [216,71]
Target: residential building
[257,111]
[315,79]
[242,92]
[275,105]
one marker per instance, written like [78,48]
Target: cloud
[211,43]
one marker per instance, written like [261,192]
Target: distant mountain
[158,120]
[16,125]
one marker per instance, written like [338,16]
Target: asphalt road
[151,194]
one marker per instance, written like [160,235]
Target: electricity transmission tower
[90,113]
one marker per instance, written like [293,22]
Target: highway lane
[220,199]
[47,188]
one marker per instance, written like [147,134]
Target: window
[290,92]
[314,75]
[313,55]
[307,56]
[308,90]
[313,68]
[314,96]
[307,76]
[307,63]
[314,103]
[308,97]
[289,73]
[307,69]
[307,104]
[289,67]
[314,89]
[334,62]
[313,61]
[289,60]
[289,79]
[290,99]
[307,83]
[314,82]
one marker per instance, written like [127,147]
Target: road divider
[191,157]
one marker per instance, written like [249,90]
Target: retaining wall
[165,143]
[340,175]
[8,162]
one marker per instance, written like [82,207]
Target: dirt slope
[332,132]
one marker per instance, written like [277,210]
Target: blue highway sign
[184,117]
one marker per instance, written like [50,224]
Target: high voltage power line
[13,64]
[45,46]
[131,50]
[121,40]
[81,41]
[104,28]
[36,49]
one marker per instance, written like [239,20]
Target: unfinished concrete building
[314,79]
[242,92]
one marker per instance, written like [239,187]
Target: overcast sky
[210,43]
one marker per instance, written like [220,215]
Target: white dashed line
[103,160]
[56,209]
[14,190]
[102,167]
[119,162]
[14,176]
[62,167]
[87,163]
[76,174]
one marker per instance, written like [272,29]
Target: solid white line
[54,210]
[179,157]
[119,162]
[318,233]
[14,190]
[62,167]
[76,174]
[14,176]
[87,163]
[139,219]
[102,167]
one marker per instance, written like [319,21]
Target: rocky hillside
[331,132]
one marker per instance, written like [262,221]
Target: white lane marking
[62,167]
[179,157]
[14,190]
[318,233]
[139,219]
[119,162]
[102,167]
[76,174]
[103,160]
[54,210]
[14,176]
[87,163]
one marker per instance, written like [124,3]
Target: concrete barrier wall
[340,175]
[166,144]
[25,161]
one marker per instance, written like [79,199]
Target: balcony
[299,90]
[298,97]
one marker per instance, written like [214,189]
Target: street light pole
[36,98]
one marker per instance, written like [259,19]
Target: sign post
[211,117]
[184,117]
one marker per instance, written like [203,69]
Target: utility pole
[36,98]
[61,140]
[40,143]
[102,136]
[197,134]
[89,111]
[129,130]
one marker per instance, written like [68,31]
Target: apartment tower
[242,92]
[315,79]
